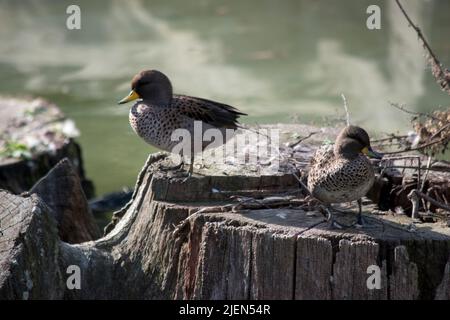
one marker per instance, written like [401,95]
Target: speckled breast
[344,181]
[154,125]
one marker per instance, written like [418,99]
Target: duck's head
[152,86]
[353,141]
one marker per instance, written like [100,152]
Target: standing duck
[159,112]
[343,173]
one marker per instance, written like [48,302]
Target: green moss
[14,149]
[34,112]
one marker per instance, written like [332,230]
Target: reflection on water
[271,59]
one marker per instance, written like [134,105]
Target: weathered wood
[29,250]
[405,278]
[314,268]
[162,247]
[443,290]
[61,190]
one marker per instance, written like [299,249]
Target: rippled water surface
[279,61]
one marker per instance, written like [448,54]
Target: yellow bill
[371,153]
[130,97]
[365,150]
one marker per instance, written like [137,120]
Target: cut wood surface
[228,232]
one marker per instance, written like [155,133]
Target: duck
[158,113]
[343,172]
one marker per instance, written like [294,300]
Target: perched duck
[343,173]
[159,112]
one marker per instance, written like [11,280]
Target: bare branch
[436,203]
[441,74]
[423,146]
[414,113]
[303,139]
[391,137]
[426,174]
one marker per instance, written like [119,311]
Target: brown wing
[214,113]
[320,163]
[322,156]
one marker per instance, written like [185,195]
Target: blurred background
[279,61]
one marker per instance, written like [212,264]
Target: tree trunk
[190,240]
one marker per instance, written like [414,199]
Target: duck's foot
[363,223]
[185,175]
[332,222]
[189,173]
[360,221]
[172,168]
[201,165]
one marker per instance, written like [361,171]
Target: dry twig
[347,114]
[440,73]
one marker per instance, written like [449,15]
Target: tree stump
[34,136]
[195,240]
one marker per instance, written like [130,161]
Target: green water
[279,61]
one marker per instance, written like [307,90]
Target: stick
[303,139]
[439,131]
[392,137]
[215,209]
[347,115]
[419,33]
[414,113]
[419,147]
[414,193]
[442,76]
[305,188]
[426,174]
[412,167]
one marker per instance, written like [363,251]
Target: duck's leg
[331,219]
[191,169]
[359,218]
[362,222]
